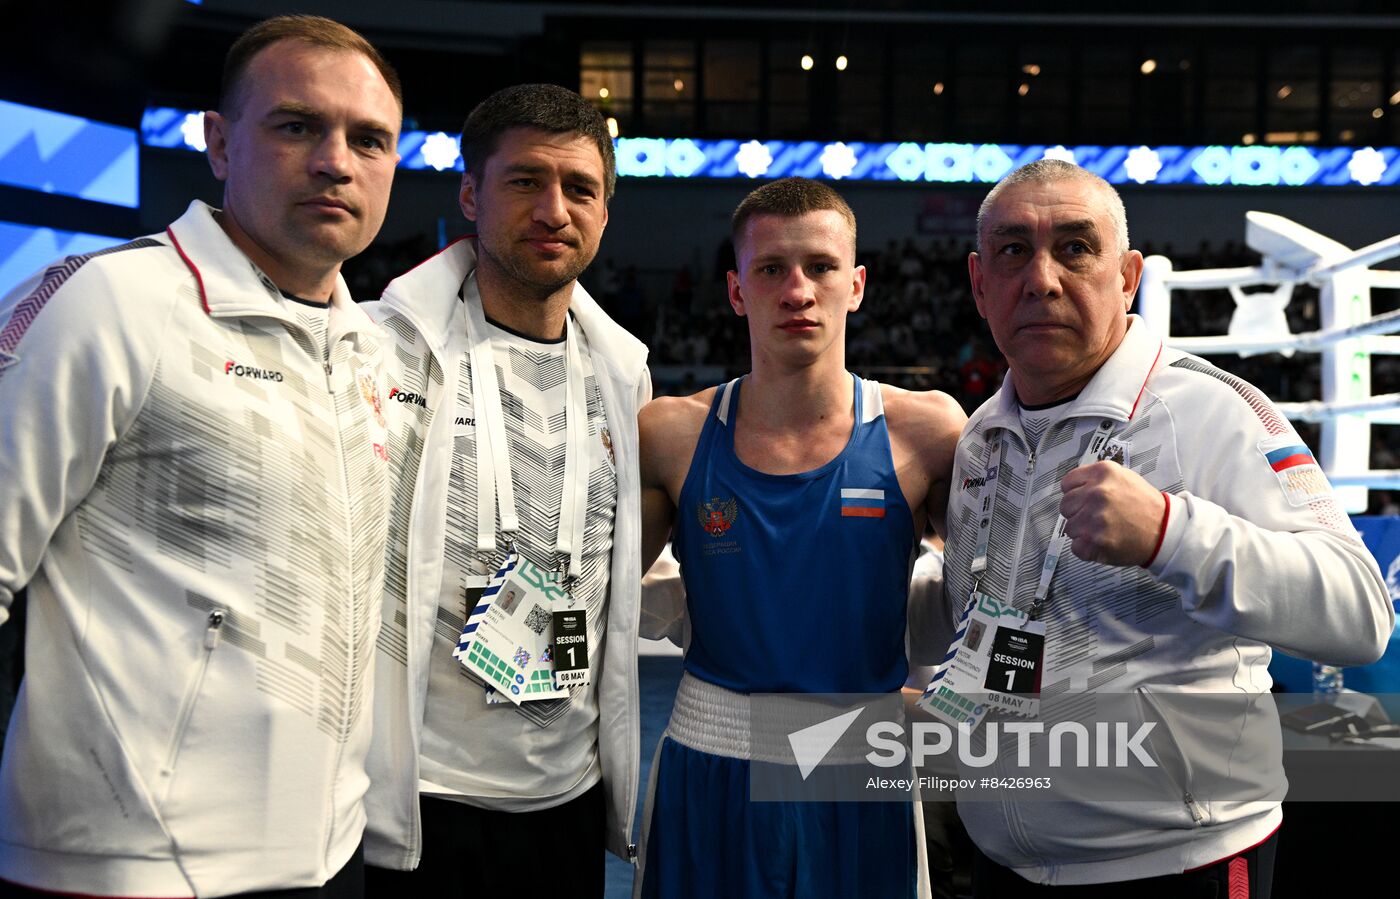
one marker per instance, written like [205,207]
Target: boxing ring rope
[1350,334]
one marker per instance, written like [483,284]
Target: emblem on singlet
[717,516]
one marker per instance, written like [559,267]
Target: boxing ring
[1348,336]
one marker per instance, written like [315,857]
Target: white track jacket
[1256,553]
[197,503]
[422,312]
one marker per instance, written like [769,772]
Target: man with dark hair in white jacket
[513,407]
[193,482]
[1215,537]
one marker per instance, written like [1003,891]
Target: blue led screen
[64,154]
[24,249]
[644,157]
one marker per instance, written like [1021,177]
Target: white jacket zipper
[182,720]
[1193,807]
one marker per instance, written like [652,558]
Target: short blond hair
[790,198]
[317,31]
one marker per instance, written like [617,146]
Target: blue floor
[659,676]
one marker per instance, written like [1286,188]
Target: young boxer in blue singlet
[795,497]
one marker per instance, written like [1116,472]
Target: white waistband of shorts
[710,718]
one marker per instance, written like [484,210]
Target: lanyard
[1057,537]
[494,482]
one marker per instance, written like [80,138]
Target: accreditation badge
[994,662]
[506,642]
[570,647]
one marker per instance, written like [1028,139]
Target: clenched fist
[1112,515]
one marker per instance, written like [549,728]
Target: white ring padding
[1319,410]
[1386,323]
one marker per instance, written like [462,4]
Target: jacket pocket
[1177,766]
[215,624]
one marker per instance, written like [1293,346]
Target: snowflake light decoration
[753,159]
[440,151]
[1142,164]
[1060,152]
[838,160]
[192,129]
[1367,166]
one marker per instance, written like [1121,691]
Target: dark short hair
[314,30]
[790,198]
[543,107]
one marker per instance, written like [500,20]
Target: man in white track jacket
[1204,535]
[193,478]
[468,793]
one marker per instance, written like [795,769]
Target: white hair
[1049,171]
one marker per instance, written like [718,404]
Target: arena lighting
[24,249]
[653,157]
[65,154]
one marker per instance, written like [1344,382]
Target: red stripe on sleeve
[1161,530]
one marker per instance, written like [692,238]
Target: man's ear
[974,273]
[1132,277]
[466,198]
[857,288]
[216,129]
[736,296]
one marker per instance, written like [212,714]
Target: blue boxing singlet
[797,582]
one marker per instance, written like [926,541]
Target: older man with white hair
[1201,533]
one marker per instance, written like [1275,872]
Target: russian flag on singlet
[860,503]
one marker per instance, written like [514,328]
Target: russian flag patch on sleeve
[858,503]
[1296,468]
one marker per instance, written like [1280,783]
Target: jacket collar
[427,295]
[1113,392]
[231,285]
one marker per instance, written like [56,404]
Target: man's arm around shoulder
[924,430]
[925,427]
[669,428]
